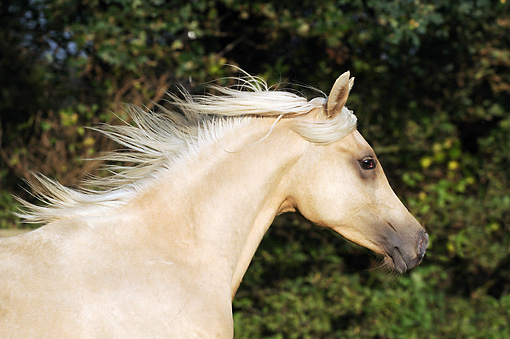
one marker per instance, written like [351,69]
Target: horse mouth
[395,261]
[401,261]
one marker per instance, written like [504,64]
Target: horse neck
[217,209]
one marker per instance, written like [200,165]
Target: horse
[159,247]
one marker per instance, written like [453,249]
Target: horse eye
[367,163]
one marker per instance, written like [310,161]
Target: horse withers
[159,248]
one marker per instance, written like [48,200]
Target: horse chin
[396,262]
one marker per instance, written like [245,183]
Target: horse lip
[400,261]
[397,260]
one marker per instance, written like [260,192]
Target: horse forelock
[157,140]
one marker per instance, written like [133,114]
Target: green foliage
[328,299]
[7,206]
[431,95]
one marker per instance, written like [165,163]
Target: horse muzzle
[400,260]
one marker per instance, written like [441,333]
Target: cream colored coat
[167,262]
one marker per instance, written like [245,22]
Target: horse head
[342,186]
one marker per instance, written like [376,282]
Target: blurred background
[432,96]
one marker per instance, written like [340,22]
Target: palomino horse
[159,249]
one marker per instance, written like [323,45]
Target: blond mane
[157,140]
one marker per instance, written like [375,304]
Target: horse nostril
[422,244]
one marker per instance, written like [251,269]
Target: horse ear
[338,95]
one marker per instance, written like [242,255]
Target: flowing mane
[160,247]
[157,140]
